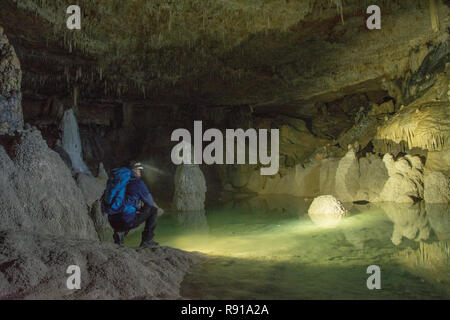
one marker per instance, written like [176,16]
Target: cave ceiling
[217,52]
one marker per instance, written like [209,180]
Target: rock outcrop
[38,191]
[34,267]
[11,118]
[370,178]
[374,175]
[405,182]
[190,188]
[437,188]
[91,187]
[101,223]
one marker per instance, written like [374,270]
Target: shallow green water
[269,248]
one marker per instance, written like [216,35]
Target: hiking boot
[150,243]
[119,238]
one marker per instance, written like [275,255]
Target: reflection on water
[269,248]
[438,215]
[410,221]
[327,221]
[193,221]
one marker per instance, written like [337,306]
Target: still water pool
[269,248]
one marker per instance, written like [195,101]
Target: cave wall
[11,116]
[314,72]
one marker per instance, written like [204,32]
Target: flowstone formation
[71,141]
[425,127]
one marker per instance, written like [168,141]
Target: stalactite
[339,8]
[75,97]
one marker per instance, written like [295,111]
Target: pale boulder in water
[326,211]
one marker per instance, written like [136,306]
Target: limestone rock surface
[91,187]
[437,188]
[34,267]
[326,211]
[11,118]
[405,182]
[38,191]
[347,177]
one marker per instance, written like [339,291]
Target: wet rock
[34,267]
[38,191]
[327,205]
[190,188]
[326,211]
[437,188]
[11,117]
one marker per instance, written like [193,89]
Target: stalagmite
[71,141]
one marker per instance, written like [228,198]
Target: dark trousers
[147,214]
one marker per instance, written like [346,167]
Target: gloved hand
[160,212]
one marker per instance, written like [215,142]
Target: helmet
[135,165]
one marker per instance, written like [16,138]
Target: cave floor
[269,248]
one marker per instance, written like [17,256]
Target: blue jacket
[136,190]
